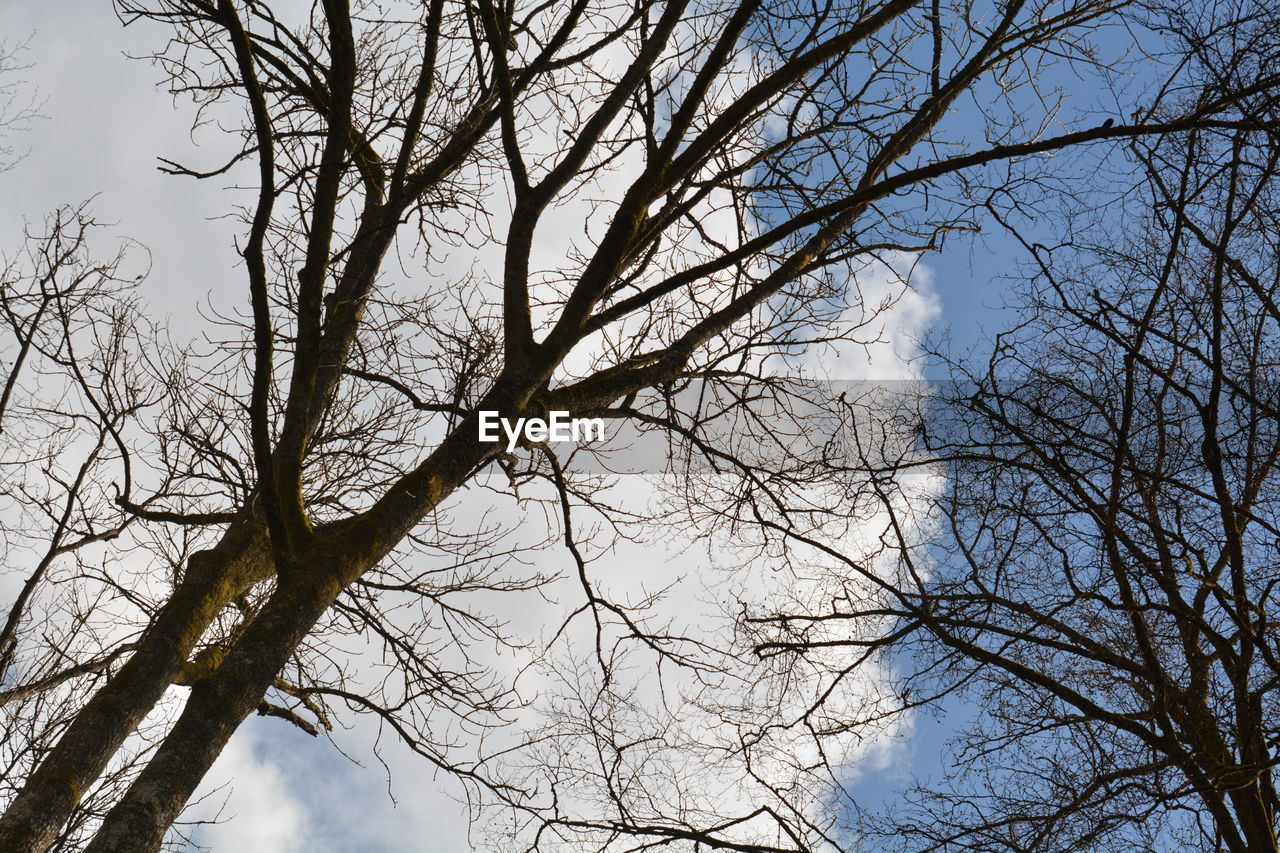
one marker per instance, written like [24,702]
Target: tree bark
[213,712]
[337,556]
[213,578]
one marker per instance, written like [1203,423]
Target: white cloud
[104,122]
[263,811]
[895,305]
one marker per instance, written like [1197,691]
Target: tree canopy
[635,211]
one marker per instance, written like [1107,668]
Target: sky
[103,123]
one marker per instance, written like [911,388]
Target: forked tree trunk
[217,705]
[51,793]
[214,710]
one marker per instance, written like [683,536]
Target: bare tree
[18,104]
[73,330]
[735,163]
[1100,580]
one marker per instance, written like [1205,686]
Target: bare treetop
[450,208]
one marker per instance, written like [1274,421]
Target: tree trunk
[216,707]
[213,578]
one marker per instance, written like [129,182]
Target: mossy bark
[221,701]
[215,709]
[212,579]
